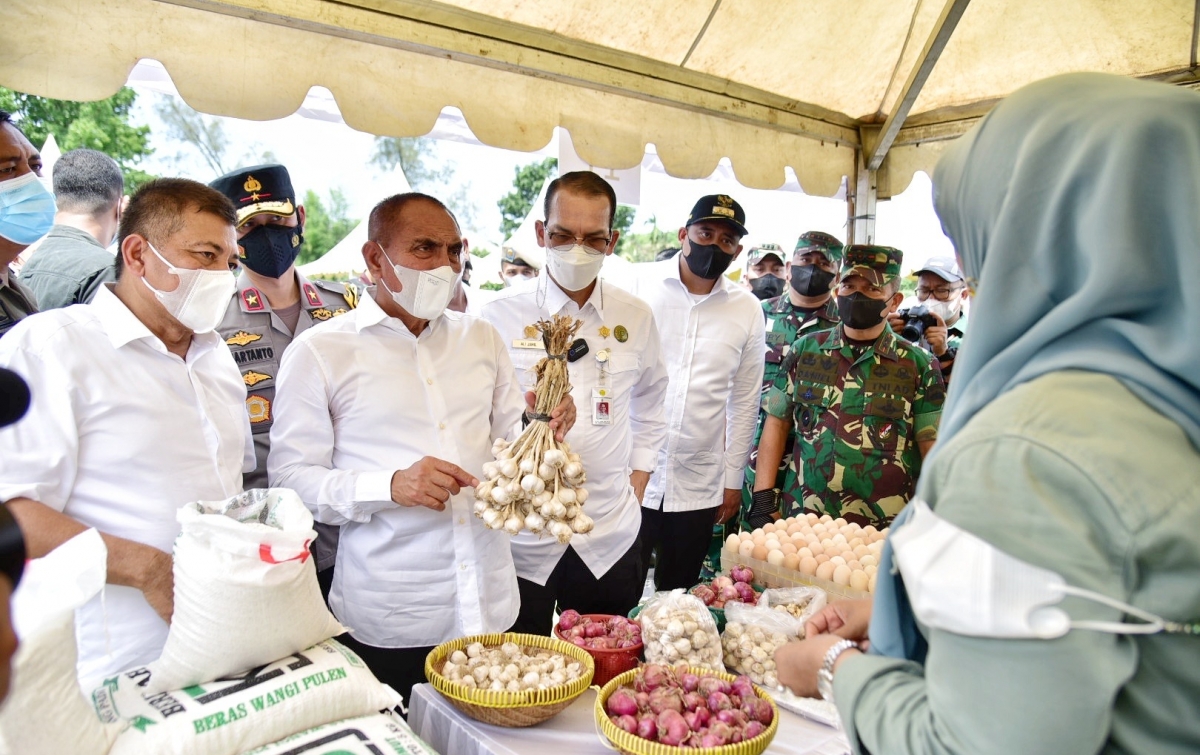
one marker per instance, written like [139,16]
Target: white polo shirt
[360,397]
[715,350]
[623,326]
[120,435]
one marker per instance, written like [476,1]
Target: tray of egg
[838,556]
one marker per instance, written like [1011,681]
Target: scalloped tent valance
[766,83]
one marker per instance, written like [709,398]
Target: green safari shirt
[858,415]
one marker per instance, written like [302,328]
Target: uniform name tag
[602,406]
[529,343]
[776,339]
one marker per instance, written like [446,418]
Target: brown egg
[816,548]
[805,552]
[840,522]
[758,538]
[826,518]
[791,561]
[825,571]
[821,558]
[860,551]
[854,565]
[769,527]
[868,560]
[870,529]
[759,553]
[798,540]
[859,580]
[772,543]
[841,575]
[840,539]
[847,555]
[808,566]
[789,548]
[855,542]
[829,545]
[811,517]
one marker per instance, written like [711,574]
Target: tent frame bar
[431,28]
[942,30]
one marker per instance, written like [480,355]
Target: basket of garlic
[509,679]
[536,483]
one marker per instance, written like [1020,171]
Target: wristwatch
[825,675]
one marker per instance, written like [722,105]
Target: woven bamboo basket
[632,744]
[511,709]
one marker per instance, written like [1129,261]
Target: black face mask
[860,311]
[270,250]
[810,280]
[767,287]
[707,260]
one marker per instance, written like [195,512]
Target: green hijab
[1075,204]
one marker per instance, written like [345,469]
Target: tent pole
[860,205]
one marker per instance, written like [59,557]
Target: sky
[323,153]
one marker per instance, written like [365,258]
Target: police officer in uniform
[272,305]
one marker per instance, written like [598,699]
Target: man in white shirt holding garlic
[384,416]
[620,380]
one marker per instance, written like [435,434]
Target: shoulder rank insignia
[321,314]
[310,293]
[253,378]
[253,300]
[242,338]
[259,409]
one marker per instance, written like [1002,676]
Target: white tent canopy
[828,87]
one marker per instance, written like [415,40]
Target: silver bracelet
[825,675]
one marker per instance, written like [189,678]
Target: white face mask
[947,310]
[201,298]
[575,269]
[960,583]
[424,294]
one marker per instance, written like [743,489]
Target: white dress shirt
[637,377]
[121,434]
[360,397]
[715,350]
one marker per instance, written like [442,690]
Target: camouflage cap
[878,264]
[816,241]
[763,250]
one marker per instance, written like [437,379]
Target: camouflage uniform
[858,412]
[785,323]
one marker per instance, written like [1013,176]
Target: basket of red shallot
[676,710]
[614,642]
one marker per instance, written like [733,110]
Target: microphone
[14,397]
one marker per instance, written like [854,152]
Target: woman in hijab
[1049,566]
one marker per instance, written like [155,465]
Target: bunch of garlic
[540,496]
[536,483]
[510,668]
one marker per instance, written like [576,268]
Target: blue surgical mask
[26,209]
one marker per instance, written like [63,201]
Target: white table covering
[573,732]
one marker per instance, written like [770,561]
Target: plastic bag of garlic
[536,483]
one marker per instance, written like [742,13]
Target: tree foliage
[527,182]
[203,133]
[103,126]
[642,247]
[324,224]
[417,158]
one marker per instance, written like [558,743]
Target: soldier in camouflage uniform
[806,307]
[272,305]
[865,404]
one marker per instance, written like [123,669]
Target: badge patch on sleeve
[259,409]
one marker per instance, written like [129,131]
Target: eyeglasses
[565,242]
[728,242]
[941,293]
